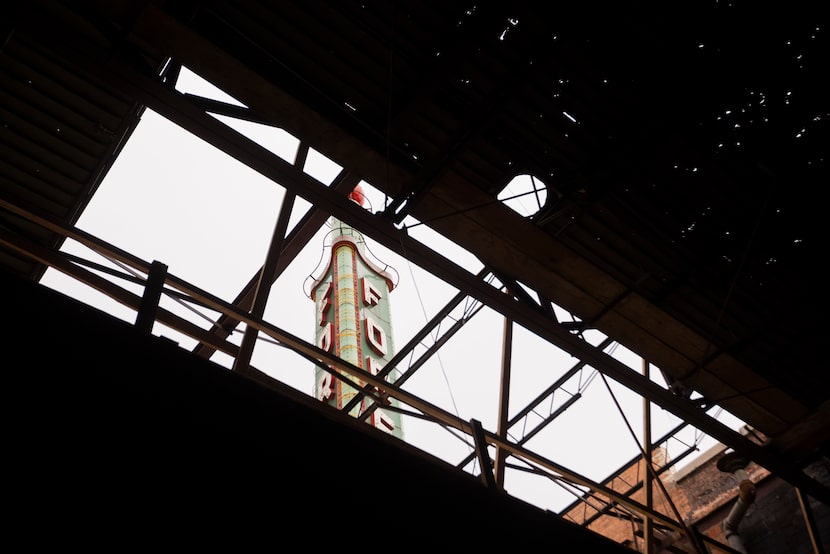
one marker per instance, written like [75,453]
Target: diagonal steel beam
[263,287]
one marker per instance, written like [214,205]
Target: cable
[426,319]
[469,209]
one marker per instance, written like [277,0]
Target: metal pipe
[735,464]
[648,523]
[504,399]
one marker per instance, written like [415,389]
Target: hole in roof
[524,194]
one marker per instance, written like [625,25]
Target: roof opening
[524,194]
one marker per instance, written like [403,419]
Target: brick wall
[703,495]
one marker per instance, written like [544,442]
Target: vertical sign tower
[352,320]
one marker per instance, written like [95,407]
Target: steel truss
[517,306]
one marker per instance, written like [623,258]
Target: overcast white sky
[173,198]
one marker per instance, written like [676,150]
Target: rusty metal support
[648,524]
[484,461]
[504,399]
[810,521]
[146,316]
[242,361]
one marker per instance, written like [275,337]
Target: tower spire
[353,320]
